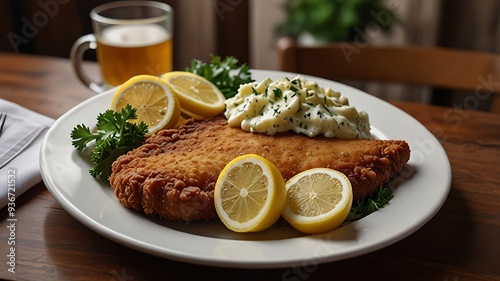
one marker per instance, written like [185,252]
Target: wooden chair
[477,72]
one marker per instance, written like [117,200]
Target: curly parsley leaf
[114,136]
[225,74]
[363,207]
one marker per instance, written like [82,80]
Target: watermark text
[11,220]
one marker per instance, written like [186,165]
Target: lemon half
[317,200]
[249,194]
[197,95]
[156,105]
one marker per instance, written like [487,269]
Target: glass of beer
[130,38]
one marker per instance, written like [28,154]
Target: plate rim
[268,262]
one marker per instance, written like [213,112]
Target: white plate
[420,192]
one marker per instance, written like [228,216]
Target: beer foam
[134,35]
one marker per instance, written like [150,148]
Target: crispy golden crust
[174,173]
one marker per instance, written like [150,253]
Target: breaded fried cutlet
[173,174]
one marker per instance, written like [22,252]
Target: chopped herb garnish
[225,74]
[115,136]
[363,207]
[327,110]
[277,93]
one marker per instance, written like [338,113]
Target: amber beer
[132,38]
[124,51]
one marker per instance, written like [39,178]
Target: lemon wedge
[156,105]
[249,194]
[197,95]
[317,200]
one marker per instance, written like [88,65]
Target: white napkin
[20,142]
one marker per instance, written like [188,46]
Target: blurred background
[249,30]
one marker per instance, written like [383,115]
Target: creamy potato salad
[298,105]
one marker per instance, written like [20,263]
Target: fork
[3,117]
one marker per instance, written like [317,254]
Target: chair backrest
[446,68]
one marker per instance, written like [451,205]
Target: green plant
[335,20]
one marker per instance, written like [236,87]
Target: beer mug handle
[80,46]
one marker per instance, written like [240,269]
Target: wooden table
[462,241]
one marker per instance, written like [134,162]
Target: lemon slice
[196,94]
[156,105]
[186,114]
[317,200]
[249,194]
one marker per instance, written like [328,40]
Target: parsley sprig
[225,74]
[114,136]
[363,207]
